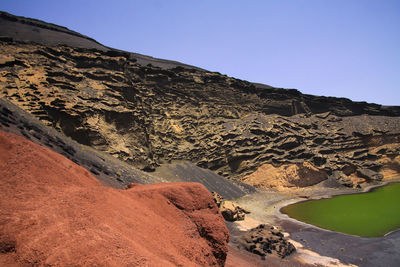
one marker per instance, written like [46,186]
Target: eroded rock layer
[147,116]
[55,213]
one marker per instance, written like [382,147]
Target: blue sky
[343,48]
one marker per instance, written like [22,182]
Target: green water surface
[371,214]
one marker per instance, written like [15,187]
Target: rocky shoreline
[306,236]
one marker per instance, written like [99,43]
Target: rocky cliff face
[147,115]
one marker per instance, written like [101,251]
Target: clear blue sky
[345,48]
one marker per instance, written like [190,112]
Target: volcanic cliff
[150,112]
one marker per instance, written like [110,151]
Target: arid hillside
[55,213]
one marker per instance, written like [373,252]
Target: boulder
[264,240]
[218,199]
[341,178]
[230,210]
[369,174]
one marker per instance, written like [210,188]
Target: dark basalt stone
[264,240]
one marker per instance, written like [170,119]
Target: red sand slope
[55,212]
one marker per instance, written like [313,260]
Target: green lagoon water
[371,214]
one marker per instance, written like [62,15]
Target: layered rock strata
[147,116]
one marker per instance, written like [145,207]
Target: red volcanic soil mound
[53,212]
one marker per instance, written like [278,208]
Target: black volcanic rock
[263,240]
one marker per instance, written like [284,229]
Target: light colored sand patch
[310,257]
[285,176]
[6,58]
[247,224]
[391,165]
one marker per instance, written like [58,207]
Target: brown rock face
[229,209]
[54,212]
[147,115]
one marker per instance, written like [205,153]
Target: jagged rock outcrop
[229,209]
[55,213]
[147,115]
[264,240]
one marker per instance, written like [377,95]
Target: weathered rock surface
[55,213]
[287,175]
[148,116]
[108,170]
[264,240]
[229,209]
